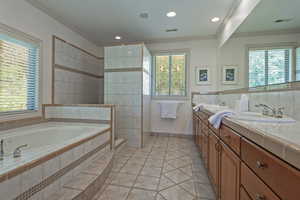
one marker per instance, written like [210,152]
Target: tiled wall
[78,112]
[73,87]
[290,100]
[146,89]
[124,88]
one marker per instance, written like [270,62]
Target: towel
[216,119]
[198,107]
[168,109]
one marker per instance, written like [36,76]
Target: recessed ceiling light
[215,19]
[171,14]
[118,37]
[144,15]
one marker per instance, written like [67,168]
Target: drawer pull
[260,165]
[260,197]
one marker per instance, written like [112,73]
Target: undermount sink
[258,117]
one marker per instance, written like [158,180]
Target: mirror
[265,50]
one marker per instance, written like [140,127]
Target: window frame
[24,37]
[284,45]
[153,66]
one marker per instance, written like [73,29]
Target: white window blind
[19,65]
[269,66]
[298,64]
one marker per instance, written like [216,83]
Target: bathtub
[42,140]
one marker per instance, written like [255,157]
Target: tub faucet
[17,151]
[1,150]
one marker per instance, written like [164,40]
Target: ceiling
[101,20]
[263,17]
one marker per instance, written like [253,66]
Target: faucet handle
[17,151]
[279,113]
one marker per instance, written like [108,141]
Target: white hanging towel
[216,119]
[168,109]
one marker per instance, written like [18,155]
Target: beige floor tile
[177,163]
[204,191]
[114,193]
[131,169]
[151,171]
[167,168]
[177,176]
[165,183]
[137,194]
[176,193]
[154,163]
[200,177]
[189,186]
[187,170]
[123,179]
[147,182]
[159,197]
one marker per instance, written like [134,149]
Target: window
[298,64]
[170,74]
[19,66]
[269,66]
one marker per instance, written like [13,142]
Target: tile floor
[167,168]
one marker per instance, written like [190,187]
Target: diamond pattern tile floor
[167,168]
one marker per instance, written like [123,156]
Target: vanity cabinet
[213,162]
[242,170]
[229,173]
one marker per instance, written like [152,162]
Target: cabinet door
[229,174]
[213,163]
[243,194]
[205,150]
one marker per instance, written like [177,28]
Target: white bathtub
[43,139]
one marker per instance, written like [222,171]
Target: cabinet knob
[261,165]
[260,197]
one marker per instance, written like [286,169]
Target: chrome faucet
[266,109]
[274,113]
[1,150]
[17,151]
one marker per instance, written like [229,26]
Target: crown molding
[181,39]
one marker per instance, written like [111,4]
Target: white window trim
[187,75]
[13,115]
[267,46]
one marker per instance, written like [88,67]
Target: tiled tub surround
[283,140]
[26,175]
[78,74]
[57,153]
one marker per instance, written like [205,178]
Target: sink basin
[258,117]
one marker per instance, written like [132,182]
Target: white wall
[202,53]
[24,17]
[206,53]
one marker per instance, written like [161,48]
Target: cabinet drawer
[278,175]
[232,139]
[254,186]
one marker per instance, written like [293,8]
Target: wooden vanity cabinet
[229,174]
[242,170]
[214,157]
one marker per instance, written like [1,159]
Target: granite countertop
[283,140]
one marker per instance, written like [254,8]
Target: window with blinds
[19,66]
[298,64]
[269,66]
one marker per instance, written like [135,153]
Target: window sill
[182,98]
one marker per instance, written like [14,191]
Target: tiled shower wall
[71,84]
[289,99]
[123,87]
